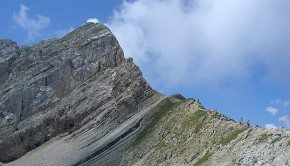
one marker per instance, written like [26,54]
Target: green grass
[195,117]
[289,143]
[233,135]
[199,114]
[204,158]
[263,137]
[191,121]
[198,126]
[195,120]
[164,110]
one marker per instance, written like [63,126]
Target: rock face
[60,85]
[78,101]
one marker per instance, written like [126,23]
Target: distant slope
[187,134]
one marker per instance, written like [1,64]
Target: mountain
[78,101]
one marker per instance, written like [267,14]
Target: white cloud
[283,102]
[270,126]
[272,110]
[33,25]
[206,41]
[93,20]
[285,121]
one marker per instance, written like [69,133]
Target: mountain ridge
[78,101]
[55,86]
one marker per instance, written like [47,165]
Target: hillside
[188,134]
[78,101]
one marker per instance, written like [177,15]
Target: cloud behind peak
[207,41]
[32,24]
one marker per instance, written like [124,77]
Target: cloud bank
[281,102]
[206,41]
[285,120]
[33,25]
[271,110]
[270,126]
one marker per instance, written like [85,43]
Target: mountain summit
[78,101]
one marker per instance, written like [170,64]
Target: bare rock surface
[78,101]
[59,86]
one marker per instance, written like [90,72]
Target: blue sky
[232,55]
[63,15]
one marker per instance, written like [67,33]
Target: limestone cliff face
[78,101]
[58,86]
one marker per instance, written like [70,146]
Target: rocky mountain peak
[77,101]
[59,85]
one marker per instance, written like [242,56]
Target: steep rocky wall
[9,52]
[60,85]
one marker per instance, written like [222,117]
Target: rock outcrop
[78,101]
[59,86]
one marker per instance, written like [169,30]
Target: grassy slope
[178,130]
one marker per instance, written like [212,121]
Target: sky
[232,55]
